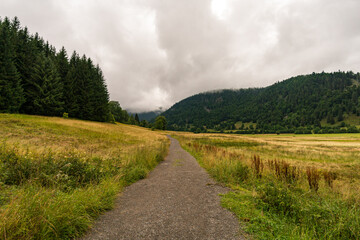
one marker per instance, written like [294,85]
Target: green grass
[351,119]
[272,196]
[57,175]
[228,143]
[246,125]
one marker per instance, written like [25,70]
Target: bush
[66,173]
[65,115]
[277,198]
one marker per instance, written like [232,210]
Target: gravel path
[178,200]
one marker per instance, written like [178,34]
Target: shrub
[240,172]
[65,115]
[66,173]
[277,198]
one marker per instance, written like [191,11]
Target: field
[57,175]
[286,186]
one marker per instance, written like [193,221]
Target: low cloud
[155,53]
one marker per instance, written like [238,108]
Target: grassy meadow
[57,175]
[286,186]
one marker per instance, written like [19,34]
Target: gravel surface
[178,200]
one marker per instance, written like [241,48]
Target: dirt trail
[178,200]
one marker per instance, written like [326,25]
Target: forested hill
[37,79]
[304,103]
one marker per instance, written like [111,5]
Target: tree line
[123,116]
[36,79]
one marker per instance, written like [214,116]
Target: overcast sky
[154,53]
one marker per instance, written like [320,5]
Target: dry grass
[57,175]
[38,134]
[335,154]
[287,186]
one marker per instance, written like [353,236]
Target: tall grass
[56,191]
[278,198]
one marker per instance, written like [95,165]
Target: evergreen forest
[37,79]
[318,103]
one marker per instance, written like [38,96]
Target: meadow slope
[57,175]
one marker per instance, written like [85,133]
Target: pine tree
[26,54]
[100,96]
[11,92]
[71,88]
[137,118]
[62,64]
[37,80]
[48,89]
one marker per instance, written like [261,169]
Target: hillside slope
[306,101]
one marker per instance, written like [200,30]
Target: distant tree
[160,123]
[330,119]
[132,120]
[144,123]
[355,97]
[126,116]
[317,123]
[137,118]
[116,111]
[340,116]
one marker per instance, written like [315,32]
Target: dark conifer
[70,87]
[47,88]
[51,83]
[62,64]
[11,92]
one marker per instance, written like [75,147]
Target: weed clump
[284,171]
[313,177]
[257,165]
[329,178]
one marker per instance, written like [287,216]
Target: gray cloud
[156,52]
